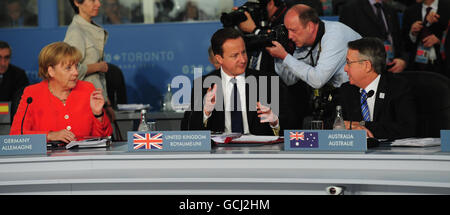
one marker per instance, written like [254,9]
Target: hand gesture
[266,115]
[277,50]
[62,135]
[210,100]
[97,102]
[416,27]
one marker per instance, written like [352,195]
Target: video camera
[258,12]
[264,39]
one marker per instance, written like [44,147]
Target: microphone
[369,94]
[29,100]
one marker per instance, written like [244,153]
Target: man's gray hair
[371,49]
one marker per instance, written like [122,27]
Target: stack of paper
[417,142]
[132,107]
[90,143]
[239,138]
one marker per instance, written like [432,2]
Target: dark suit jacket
[413,14]
[193,120]
[14,79]
[394,115]
[447,54]
[359,15]
[115,84]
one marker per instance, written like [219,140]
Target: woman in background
[61,106]
[90,39]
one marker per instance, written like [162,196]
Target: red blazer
[47,113]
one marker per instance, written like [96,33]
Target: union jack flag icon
[145,141]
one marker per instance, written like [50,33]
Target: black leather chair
[115,85]
[117,93]
[432,94]
[15,101]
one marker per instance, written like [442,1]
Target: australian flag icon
[304,139]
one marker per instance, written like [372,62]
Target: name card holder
[325,140]
[169,141]
[445,140]
[34,144]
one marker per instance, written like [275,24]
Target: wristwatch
[362,123]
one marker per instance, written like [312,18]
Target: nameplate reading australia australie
[445,140]
[169,141]
[325,140]
[23,144]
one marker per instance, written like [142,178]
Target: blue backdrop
[150,55]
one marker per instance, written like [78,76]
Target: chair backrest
[432,94]
[115,84]
[15,101]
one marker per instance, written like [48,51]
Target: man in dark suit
[12,78]
[374,100]
[447,52]
[423,26]
[230,104]
[362,16]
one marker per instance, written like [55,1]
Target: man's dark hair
[371,49]
[219,38]
[5,45]
[75,8]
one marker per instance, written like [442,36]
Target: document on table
[417,142]
[132,107]
[238,138]
[89,143]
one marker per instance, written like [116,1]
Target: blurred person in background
[17,16]
[12,78]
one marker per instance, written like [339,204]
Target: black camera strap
[277,17]
[317,41]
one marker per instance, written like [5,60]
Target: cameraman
[261,60]
[320,54]
[275,11]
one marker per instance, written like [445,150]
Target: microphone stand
[29,100]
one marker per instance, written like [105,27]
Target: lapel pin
[381,95]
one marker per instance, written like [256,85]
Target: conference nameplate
[445,140]
[33,144]
[169,141]
[325,140]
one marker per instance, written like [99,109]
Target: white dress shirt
[227,85]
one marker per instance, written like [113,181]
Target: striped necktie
[364,106]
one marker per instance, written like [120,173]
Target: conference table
[246,169]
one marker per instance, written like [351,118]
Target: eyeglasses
[356,61]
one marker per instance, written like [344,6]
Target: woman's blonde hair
[55,53]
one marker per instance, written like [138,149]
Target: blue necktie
[364,106]
[236,113]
